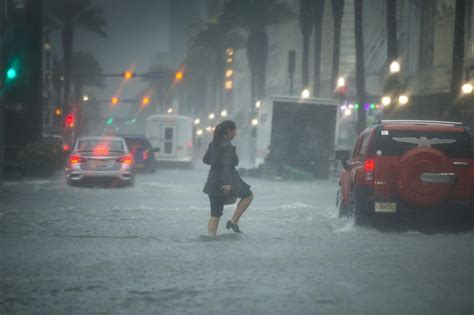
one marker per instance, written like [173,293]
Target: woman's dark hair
[221,130]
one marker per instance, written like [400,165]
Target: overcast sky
[137,30]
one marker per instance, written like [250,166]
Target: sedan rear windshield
[396,143]
[100,145]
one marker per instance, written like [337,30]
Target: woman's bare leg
[241,207]
[212,226]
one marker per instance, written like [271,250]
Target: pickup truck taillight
[369,167]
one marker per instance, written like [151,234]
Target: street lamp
[305,93]
[395,67]
[258,104]
[341,82]
[255,122]
[170,110]
[197,121]
[212,116]
[386,100]
[467,88]
[199,132]
[403,99]
[224,113]
[85,98]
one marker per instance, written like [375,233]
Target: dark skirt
[214,183]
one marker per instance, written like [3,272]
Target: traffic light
[145,100]
[179,75]
[12,73]
[70,120]
[114,100]
[109,121]
[128,75]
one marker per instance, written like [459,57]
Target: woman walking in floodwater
[224,184]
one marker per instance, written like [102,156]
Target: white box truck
[171,137]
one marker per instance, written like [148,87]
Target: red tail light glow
[127,159]
[76,159]
[66,147]
[145,155]
[369,165]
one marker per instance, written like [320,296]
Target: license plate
[99,163]
[387,207]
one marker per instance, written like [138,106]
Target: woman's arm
[227,162]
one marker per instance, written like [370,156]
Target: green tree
[337,14]
[318,13]
[66,16]
[306,25]
[86,71]
[255,16]
[360,71]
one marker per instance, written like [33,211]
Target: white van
[171,137]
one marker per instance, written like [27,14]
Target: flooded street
[144,249]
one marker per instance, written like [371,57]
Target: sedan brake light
[126,159]
[76,159]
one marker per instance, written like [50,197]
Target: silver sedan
[100,158]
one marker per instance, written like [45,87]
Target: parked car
[142,152]
[404,167]
[100,158]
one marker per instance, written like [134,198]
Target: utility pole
[22,59]
[2,66]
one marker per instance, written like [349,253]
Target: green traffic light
[110,121]
[11,74]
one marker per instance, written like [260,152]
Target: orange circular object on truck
[407,177]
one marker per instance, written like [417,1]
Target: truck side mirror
[343,156]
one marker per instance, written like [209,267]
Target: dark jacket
[223,159]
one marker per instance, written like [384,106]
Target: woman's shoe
[233,226]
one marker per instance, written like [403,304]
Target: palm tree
[458,54]
[306,24]
[318,9]
[86,72]
[255,16]
[360,74]
[337,14]
[66,16]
